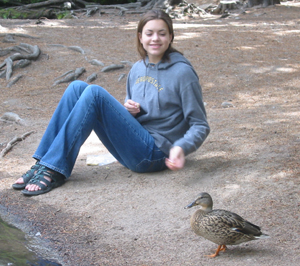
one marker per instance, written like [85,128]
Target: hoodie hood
[174,58]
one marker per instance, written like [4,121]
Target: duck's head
[204,200]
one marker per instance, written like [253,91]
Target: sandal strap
[45,171]
[38,179]
[53,175]
[30,173]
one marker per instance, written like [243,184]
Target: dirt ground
[108,215]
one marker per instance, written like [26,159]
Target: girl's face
[155,38]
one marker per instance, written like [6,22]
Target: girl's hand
[176,158]
[132,107]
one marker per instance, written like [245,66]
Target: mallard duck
[220,226]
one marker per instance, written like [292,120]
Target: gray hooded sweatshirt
[170,98]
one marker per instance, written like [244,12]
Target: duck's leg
[220,247]
[223,248]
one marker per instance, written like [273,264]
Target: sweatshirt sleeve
[195,114]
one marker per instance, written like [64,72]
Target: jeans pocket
[147,166]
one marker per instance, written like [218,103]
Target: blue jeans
[84,108]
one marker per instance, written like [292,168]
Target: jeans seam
[80,128]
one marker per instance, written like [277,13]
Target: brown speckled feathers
[220,226]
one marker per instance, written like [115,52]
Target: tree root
[91,78]
[14,80]
[70,76]
[13,142]
[32,51]
[111,67]
[53,9]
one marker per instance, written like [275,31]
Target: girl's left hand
[176,158]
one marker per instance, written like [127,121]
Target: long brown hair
[151,15]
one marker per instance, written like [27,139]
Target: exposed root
[13,142]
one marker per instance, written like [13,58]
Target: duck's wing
[234,222]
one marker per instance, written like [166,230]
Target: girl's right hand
[176,158]
[132,107]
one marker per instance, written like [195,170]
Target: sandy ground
[108,215]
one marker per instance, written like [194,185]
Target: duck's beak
[190,205]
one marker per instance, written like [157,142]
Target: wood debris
[12,117]
[111,67]
[96,62]
[121,77]
[13,142]
[25,53]
[71,76]
[76,48]
[129,63]
[91,78]
[54,9]
[14,80]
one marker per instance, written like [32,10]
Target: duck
[221,227]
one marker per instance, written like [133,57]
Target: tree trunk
[264,3]
[42,4]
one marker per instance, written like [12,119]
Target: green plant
[11,13]
[62,15]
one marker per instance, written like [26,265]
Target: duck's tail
[262,236]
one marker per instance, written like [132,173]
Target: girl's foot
[43,181]
[25,178]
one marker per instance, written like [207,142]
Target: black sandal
[27,176]
[57,179]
